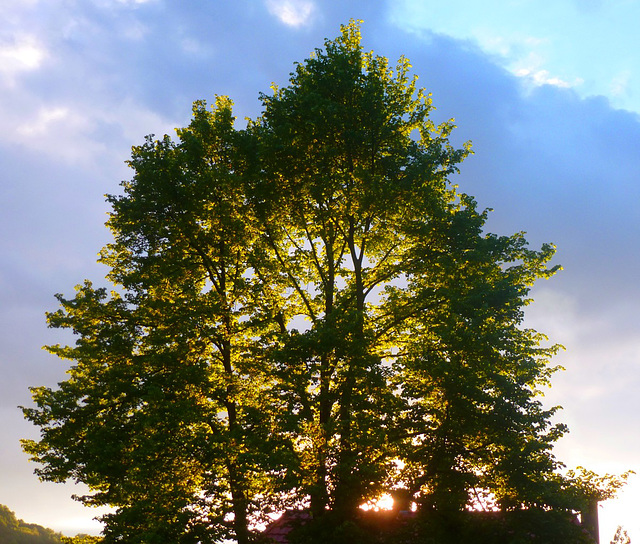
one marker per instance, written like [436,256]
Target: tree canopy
[16,531]
[306,312]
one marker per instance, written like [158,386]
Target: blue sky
[586,45]
[547,91]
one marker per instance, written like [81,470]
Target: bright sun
[385,502]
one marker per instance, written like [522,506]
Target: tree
[81,539]
[353,175]
[405,290]
[16,531]
[163,411]
[306,311]
[621,536]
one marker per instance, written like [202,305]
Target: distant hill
[16,531]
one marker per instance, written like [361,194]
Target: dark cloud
[561,168]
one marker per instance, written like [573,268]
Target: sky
[548,91]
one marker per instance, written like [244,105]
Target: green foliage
[586,483]
[81,539]
[306,312]
[16,531]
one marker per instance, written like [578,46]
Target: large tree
[305,311]
[164,413]
[414,350]
[353,159]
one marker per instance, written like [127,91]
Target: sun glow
[384,502]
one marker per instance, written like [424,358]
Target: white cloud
[43,121]
[620,83]
[291,12]
[80,133]
[23,54]
[513,45]
[530,69]
[543,77]
[59,131]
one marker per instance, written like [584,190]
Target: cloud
[20,54]
[43,121]
[291,12]
[510,47]
[529,68]
[78,133]
[565,170]
[620,83]
[542,77]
